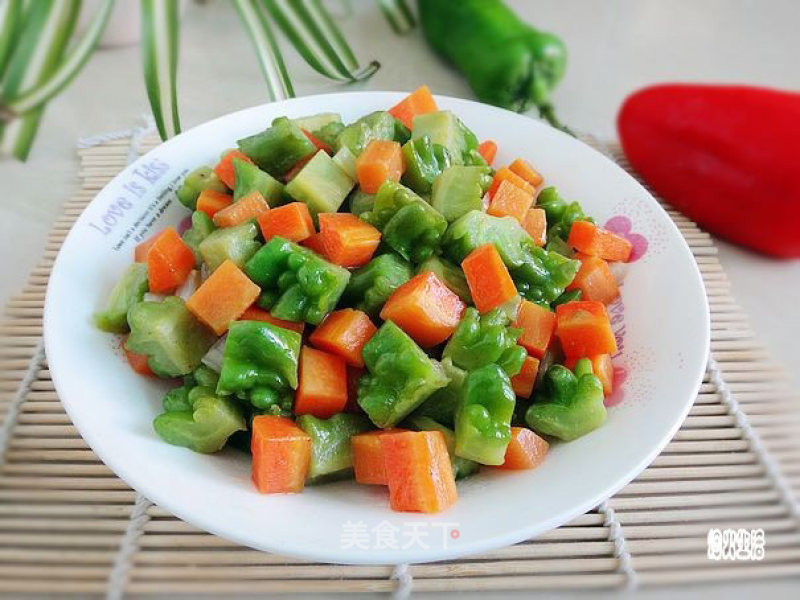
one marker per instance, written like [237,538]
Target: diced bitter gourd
[235,243]
[279,148]
[379,125]
[331,454]
[321,184]
[460,189]
[249,178]
[444,128]
[202,178]
[312,123]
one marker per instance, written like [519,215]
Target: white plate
[662,321]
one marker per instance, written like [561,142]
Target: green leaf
[160,59]
[312,32]
[269,56]
[11,19]
[46,28]
[68,68]
[398,14]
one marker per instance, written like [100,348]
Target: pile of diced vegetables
[374,300]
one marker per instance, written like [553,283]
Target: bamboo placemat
[68,525]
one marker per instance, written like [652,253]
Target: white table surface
[616,46]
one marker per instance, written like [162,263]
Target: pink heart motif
[617,393]
[621,225]
[185,224]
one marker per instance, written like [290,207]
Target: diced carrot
[506,174]
[526,450]
[223,297]
[315,242]
[344,333]
[588,238]
[380,161]
[141,250]
[535,223]
[584,329]
[348,241]
[488,150]
[353,376]
[510,200]
[169,262]
[525,170]
[296,169]
[224,168]
[538,324]
[291,221]
[368,463]
[488,279]
[211,202]
[251,206]
[418,471]
[281,455]
[595,280]
[523,381]
[425,308]
[317,142]
[138,362]
[602,368]
[418,102]
[322,387]
[254,313]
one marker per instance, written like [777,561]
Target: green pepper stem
[548,113]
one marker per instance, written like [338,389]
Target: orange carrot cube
[538,324]
[535,223]
[380,161]
[584,329]
[588,238]
[368,463]
[291,221]
[225,170]
[344,333]
[506,174]
[322,387]
[211,202]
[526,450]
[223,297]
[488,278]
[251,206]
[510,200]
[595,280]
[416,103]
[281,455]
[169,262]
[347,240]
[523,381]
[525,170]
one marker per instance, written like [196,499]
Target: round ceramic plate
[661,322]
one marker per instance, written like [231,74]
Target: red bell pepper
[724,155]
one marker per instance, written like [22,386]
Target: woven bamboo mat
[68,525]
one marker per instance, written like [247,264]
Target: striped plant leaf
[399,15]
[269,56]
[160,60]
[10,27]
[67,69]
[46,28]
[313,33]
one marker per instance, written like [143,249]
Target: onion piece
[619,270]
[151,297]
[188,287]
[213,358]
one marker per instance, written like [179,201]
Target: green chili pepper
[279,148]
[462,467]
[237,244]
[506,62]
[249,178]
[379,125]
[259,364]
[202,178]
[540,276]
[451,275]
[424,162]
[409,225]
[203,422]
[202,227]
[568,405]
[297,284]
[172,338]
[485,339]
[483,419]
[371,285]
[399,376]
[441,406]
[129,290]
[331,454]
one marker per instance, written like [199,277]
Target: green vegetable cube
[371,285]
[249,178]
[235,243]
[202,178]
[279,148]
[331,453]
[129,290]
[379,125]
[485,339]
[259,363]
[314,122]
[441,406]
[321,184]
[445,129]
[296,283]
[424,161]
[172,338]
[202,227]
[459,190]
[400,376]
[483,419]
